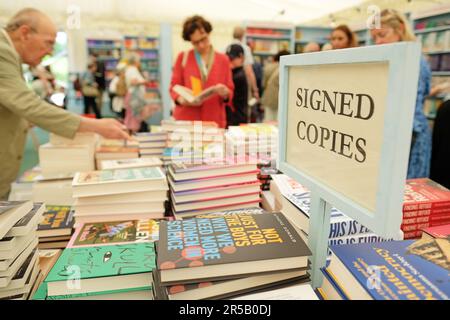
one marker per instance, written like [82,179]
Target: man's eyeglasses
[201,40]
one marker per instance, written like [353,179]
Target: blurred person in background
[137,108]
[89,89]
[27,38]
[394,27]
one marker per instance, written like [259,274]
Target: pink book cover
[114,233]
[215,189]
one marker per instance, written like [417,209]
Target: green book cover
[57,217]
[216,240]
[104,261]
[41,292]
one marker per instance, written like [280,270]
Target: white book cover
[117,176]
[131,163]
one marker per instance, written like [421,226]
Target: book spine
[412,234]
[426,205]
[359,238]
[426,219]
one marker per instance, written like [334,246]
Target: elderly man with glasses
[28,37]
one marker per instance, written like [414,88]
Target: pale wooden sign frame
[404,63]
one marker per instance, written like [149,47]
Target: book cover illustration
[29,216]
[389,271]
[57,217]
[117,232]
[104,261]
[118,175]
[436,251]
[213,240]
[8,205]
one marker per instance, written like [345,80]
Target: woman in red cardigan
[208,66]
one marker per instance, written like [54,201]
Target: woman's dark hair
[351,36]
[193,23]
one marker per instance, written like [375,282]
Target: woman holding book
[199,69]
[395,28]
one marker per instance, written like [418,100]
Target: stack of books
[108,149]
[192,141]
[151,144]
[114,233]
[114,195]
[426,204]
[62,161]
[220,256]
[104,272]
[201,189]
[19,258]
[258,141]
[290,292]
[81,138]
[56,227]
[395,270]
[22,188]
[266,170]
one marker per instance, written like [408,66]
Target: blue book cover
[400,270]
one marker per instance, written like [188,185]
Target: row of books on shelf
[268,32]
[270,46]
[238,254]
[432,23]
[435,41]
[92,233]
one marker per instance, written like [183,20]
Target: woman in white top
[135,102]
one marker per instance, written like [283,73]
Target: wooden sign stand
[367,186]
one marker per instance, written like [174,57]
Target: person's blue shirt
[420,155]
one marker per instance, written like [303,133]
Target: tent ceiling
[291,11]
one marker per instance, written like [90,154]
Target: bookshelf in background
[109,51]
[148,50]
[306,34]
[433,31]
[268,39]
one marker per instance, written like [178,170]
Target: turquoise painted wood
[403,59]
[318,237]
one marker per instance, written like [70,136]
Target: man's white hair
[28,16]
